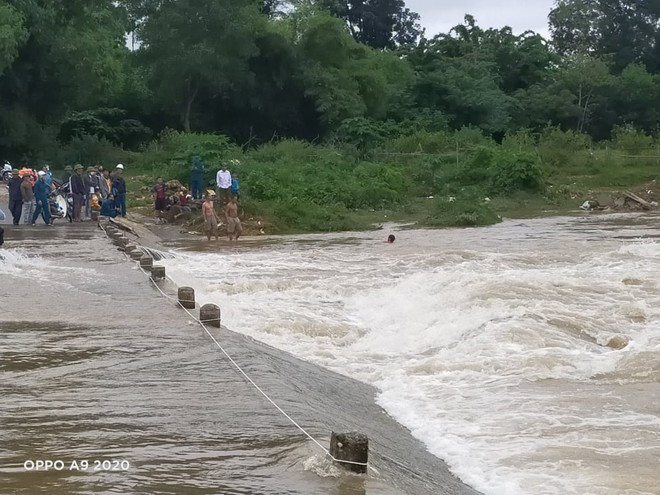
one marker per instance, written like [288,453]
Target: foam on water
[17,262]
[495,357]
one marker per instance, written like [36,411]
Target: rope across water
[245,375]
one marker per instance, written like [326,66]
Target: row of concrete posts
[352,448]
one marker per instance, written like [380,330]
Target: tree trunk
[191,94]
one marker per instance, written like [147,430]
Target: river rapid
[488,344]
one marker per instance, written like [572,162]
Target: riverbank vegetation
[339,114]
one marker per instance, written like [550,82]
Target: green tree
[12,35]
[56,56]
[626,30]
[197,49]
[377,23]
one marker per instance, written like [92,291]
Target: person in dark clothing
[197,177]
[41,193]
[67,174]
[160,198]
[78,191]
[15,197]
[108,207]
[119,192]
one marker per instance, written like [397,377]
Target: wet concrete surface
[96,365]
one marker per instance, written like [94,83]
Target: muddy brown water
[95,365]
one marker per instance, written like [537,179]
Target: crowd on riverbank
[80,195]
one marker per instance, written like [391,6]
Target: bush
[566,149]
[460,212]
[631,140]
[515,171]
[92,150]
[290,215]
[171,156]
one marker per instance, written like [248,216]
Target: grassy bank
[432,179]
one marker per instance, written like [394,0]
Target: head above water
[391,238]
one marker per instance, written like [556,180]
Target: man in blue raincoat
[41,193]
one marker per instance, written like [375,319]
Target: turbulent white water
[489,344]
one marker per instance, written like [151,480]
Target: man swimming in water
[391,239]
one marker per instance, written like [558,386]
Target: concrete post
[146,262]
[130,248]
[122,242]
[209,314]
[157,272]
[186,297]
[352,447]
[136,255]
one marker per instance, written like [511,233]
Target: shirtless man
[210,218]
[233,222]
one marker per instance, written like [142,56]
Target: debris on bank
[645,199]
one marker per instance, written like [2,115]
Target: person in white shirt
[223,181]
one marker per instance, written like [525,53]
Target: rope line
[240,370]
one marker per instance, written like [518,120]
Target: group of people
[96,190]
[168,196]
[28,196]
[100,191]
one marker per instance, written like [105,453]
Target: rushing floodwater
[96,366]
[489,344]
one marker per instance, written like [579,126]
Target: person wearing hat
[49,176]
[91,185]
[119,190]
[41,193]
[78,191]
[105,184]
[15,198]
[27,195]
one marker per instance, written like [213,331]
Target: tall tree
[626,30]
[377,23]
[56,56]
[195,47]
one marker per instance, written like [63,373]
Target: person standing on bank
[223,181]
[197,178]
[234,227]
[160,198]
[41,193]
[105,184]
[15,197]
[119,190]
[27,194]
[78,191]
[210,218]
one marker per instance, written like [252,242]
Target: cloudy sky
[438,16]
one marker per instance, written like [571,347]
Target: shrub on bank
[460,212]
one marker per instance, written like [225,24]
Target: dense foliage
[123,71]
[390,112]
